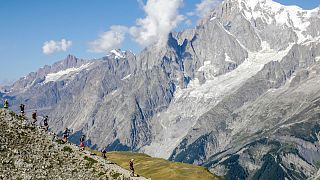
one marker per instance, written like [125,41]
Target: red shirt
[34,115]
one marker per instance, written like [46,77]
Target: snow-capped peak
[118,54]
[275,13]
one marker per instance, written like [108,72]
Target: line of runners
[66,132]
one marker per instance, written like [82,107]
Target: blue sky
[26,25]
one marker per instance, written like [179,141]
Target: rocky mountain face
[36,77]
[238,94]
[31,153]
[244,133]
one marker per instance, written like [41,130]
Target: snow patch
[126,77]
[114,92]
[210,70]
[181,115]
[213,18]
[29,85]
[228,59]
[55,76]
[118,54]
[291,16]
[311,40]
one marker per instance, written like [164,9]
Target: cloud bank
[161,17]
[205,6]
[109,40]
[52,46]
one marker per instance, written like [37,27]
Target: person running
[6,104]
[131,167]
[22,109]
[82,139]
[103,151]
[66,135]
[34,117]
[45,123]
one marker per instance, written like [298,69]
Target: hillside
[238,94]
[29,153]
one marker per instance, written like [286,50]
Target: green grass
[60,141]
[157,168]
[90,159]
[101,174]
[90,162]
[115,175]
[67,149]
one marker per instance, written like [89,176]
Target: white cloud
[161,17]
[109,40]
[52,46]
[205,6]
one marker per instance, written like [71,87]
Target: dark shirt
[66,133]
[82,139]
[45,122]
[22,108]
[131,165]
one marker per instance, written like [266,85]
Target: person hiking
[22,109]
[131,167]
[45,123]
[66,135]
[103,151]
[82,139]
[6,104]
[34,117]
[54,136]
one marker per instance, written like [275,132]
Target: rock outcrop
[28,152]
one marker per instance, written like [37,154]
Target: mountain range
[239,94]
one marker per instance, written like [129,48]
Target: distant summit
[118,54]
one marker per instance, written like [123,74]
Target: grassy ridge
[157,168]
